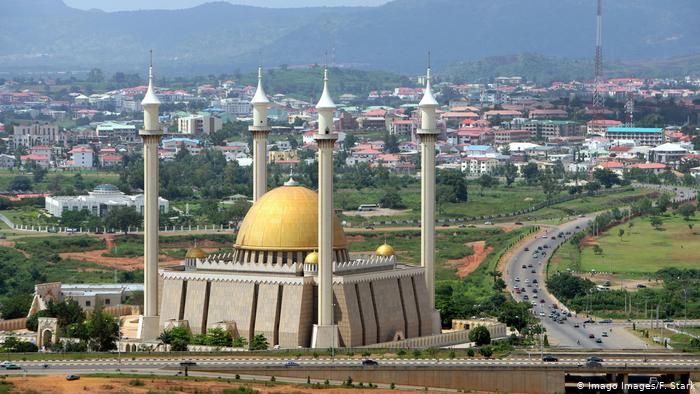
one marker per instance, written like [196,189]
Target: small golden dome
[385,250]
[311,258]
[195,253]
[285,219]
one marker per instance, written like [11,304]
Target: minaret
[325,332]
[428,136]
[151,134]
[260,130]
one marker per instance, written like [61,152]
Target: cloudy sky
[123,5]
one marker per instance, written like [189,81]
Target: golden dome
[285,218]
[195,253]
[311,258]
[385,250]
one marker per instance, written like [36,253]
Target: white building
[237,106]
[477,166]
[81,157]
[99,201]
[199,124]
[640,135]
[35,134]
[668,153]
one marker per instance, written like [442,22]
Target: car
[539,248]
[598,340]
[668,320]
[12,366]
[591,336]
[529,266]
[518,223]
[560,321]
[593,364]
[488,223]
[534,281]
[527,249]
[369,227]
[582,216]
[605,334]
[641,286]
[605,321]
[5,364]
[549,359]
[534,296]
[291,363]
[517,279]
[589,321]
[445,225]
[534,290]
[555,306]
[72,377]
[533,271]
[554,238]
[523,266]
[369,363]
[462,226]
[595,359]
[534,256]
[568,233]
[525,297]
[542,301]
[546,246]
[188,364]
[542,314]
[576,325]
[578,227]
[564,318]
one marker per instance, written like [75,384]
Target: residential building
[505,136]
[199,124]
[117,133]
[640,135]
[403,127]
[42,161]
[600,126]
[7,161]
[35,134]
[236,106]
[81,157]
[670,154]
[478,166]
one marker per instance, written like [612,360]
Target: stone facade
[369,306]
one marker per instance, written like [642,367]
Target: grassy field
[678,342]
[643,249]
[495,200]
[62,178]
[450,245]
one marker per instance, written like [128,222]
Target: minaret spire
[260,130]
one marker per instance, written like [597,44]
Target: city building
[116,133]
[640,135]
[506,136]
[87,295]
[668,153]
[199,124]
[600,126]
[99,201]
[81,157]
[35,134]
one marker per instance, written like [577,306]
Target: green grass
[62,178]
[642,249]
[567,257]
[59,244]
[30,216]
[75,271]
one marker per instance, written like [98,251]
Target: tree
[480,335]
[486,351]
[510,172]
[687,210]
[350,141]
[392,199]
[20,183]
[121,218]
[690,226]
[606,177]
[259,342]
[15,306]
[456,180]
[391,143]
[218,337]
[103,330]
[592,187]
[550,185]
[597,250]
[39,173]
[656,222]
[177,337]
[486,181]
[620,233]
[663,202]
[530,173]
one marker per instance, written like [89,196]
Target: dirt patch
[589,240]
[468,264]
[202,243]
[58,385]
[355,238]
[11,244]
[617,283]
[123,263]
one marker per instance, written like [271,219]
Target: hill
[218,37]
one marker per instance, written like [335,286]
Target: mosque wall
[389,309]
[347,315]
[368,313]
[232,302]
[424,311]
[410,308]
[266,314]
[170,305]
[296,316]
[195,304]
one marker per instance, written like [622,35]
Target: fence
[497,331]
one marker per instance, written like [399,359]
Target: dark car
[605,321]
[591,336]
[534,281]
[72,377]
[369,363]
[549,359]
[188,364]
[593,364]
[641,286]
[527,249]
[589,321]
[598,340]
[290,363]
[12,366]
[594,359]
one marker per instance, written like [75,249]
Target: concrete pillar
[325,229]
[150,215]
[428,212]
[259,160]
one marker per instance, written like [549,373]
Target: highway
[153,364]
[525,280]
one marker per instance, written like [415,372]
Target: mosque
[290,276]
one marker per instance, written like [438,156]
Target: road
[154,364]
[526,271]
